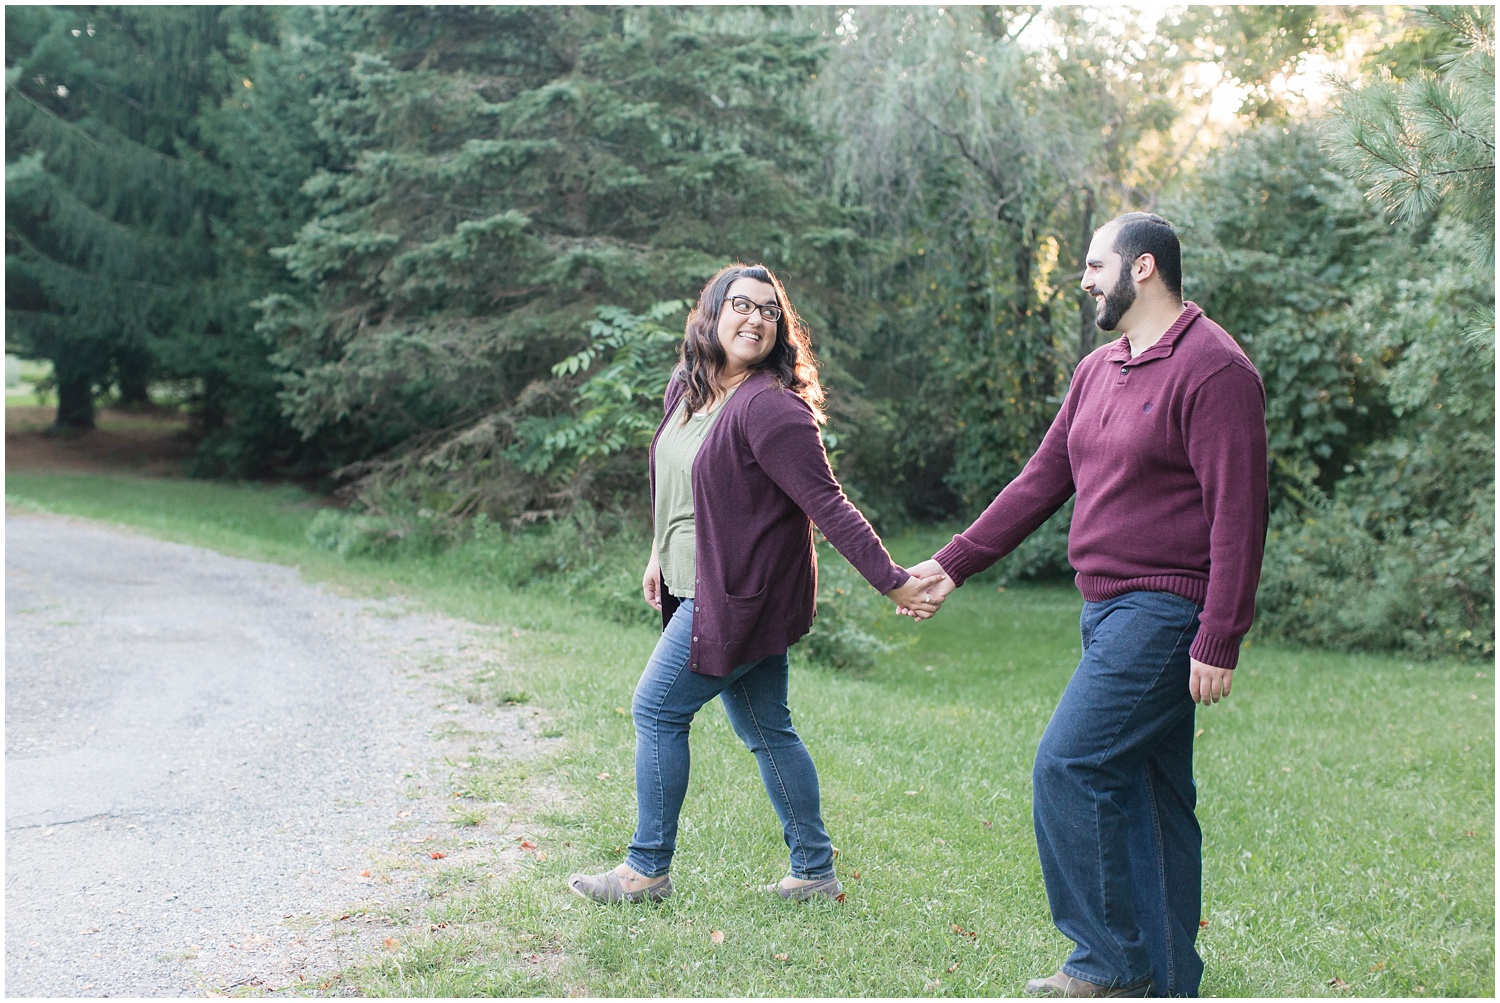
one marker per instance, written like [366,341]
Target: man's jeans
[1122,854]
[754,697]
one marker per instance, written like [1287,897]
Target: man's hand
[919,597]
[651,582]
[935,594]
[1209,683]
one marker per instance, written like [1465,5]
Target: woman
[737,470]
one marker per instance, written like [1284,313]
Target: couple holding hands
[1162,438]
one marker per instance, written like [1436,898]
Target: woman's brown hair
[791,361]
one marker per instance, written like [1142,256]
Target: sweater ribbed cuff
[895,577]
[954,560]
[1216,650]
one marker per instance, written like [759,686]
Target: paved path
[203,754]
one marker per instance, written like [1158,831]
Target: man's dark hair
[1141,233]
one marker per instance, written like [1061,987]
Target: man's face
[1106,277]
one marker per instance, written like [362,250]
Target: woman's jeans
[754,697]
[1113,799]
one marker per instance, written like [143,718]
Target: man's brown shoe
[1066,986]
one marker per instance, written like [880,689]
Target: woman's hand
[939,591]
[651,581]
[920,597]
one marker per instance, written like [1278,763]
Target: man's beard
[1118,300]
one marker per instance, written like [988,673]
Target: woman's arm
[784,439]
[651,580]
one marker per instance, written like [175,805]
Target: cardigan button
[695,639]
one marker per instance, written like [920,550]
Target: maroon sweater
[1167,452]
[760,481]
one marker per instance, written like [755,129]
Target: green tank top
[676,448]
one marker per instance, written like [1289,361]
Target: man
[1163,438]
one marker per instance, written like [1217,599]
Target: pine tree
[1428,141]
[109,259]
[502,172]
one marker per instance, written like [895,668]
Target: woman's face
[747,338]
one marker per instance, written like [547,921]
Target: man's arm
[1224,428]
[1024,504]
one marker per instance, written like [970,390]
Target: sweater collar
[1120,351]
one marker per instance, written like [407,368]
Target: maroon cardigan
[1167,452]
[760,481]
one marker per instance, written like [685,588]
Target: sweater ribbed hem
[1097,588]
[1212,649]
[1217,650]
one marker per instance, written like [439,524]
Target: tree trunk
[133,375]
[75,401]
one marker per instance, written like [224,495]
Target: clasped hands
[923,592]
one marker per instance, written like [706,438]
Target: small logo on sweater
[1146,409]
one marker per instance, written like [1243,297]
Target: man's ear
[1144,267]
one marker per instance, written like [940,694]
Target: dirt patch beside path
[153,443]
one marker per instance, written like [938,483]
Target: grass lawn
[1347,801]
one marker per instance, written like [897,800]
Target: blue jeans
[754,697]
[1113,799]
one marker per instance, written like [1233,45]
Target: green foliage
[1402,554]
[357,241]
[1421,142]
[1380,398]
[1277,246]
[616,409]
[110,259]
[503,172]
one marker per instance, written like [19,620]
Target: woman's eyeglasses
[743,305]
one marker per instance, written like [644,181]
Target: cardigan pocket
[742,618]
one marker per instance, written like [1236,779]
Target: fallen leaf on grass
[1338,983]
[717,936]
[854,875]
[780,957]
[964,933]
[527,844]
[391,944]
[601,776]
[988,824]
[364,874]
[437,855]
[1203,924]
[540,854]
[621,710]
[954,967]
